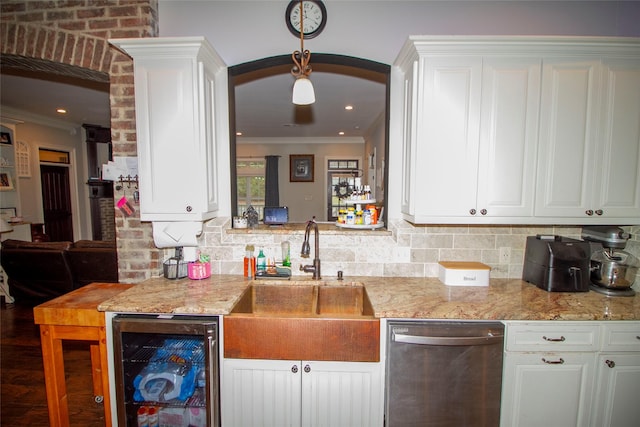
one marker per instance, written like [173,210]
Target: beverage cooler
[166,370]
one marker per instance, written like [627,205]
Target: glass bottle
[286,253]
[249,262]
[262,261]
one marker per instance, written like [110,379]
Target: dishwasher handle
[448,341]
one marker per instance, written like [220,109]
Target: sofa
[40,271]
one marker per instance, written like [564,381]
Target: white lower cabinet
[616,401]
[301,393]
[547,389]
[571,374]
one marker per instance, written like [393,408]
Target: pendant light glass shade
[303,93]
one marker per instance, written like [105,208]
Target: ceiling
[85,102]
[263,107]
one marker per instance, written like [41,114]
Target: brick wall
[70,38]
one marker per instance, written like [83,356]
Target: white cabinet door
[445,137]
[547,389]
[470,135]
[566,156]
[260,393]
[508,137]
[342,394]
[617,162]
[589,154]
[618,388]
[278,393]
[180,96]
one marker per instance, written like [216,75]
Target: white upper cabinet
[181,121]
[618,161]
[471,118]
[589,153]
[521,130]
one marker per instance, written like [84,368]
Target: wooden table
[74,316]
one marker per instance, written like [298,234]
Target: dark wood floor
[23,401]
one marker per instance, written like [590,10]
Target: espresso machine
[613,271]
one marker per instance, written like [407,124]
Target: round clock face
[314,14]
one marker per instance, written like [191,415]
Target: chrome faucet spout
[306,249]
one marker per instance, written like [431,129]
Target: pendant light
[303,93]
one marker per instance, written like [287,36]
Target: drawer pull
[638,337]
[610,363]
[553,339]
[553,362]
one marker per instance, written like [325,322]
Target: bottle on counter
[351,216]
[286,253]
[374,213]
[249,262]
[261,261]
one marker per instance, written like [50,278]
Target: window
[250,183]
[54,156]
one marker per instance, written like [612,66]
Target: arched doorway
[322,63]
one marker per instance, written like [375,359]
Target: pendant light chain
[301,58]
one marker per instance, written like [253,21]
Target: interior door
[341,184]
[56,202]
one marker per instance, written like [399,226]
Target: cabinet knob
[307,368]
[599,212]
[589,212]
[483,211]
[188,208]
[472,211]
[610,363]
[294,369]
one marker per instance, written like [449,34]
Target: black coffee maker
[557,264]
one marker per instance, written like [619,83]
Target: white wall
[243,31]
[39,133]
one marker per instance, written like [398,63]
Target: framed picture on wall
[301,168]
[6,184]
[5,138]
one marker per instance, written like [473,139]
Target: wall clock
[315,17]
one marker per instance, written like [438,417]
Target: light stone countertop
[391,297]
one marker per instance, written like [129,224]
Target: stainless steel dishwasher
[443,373]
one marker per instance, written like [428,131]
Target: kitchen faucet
[304,253]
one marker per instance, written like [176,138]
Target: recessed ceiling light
[341,133]
[348,107]
[61,111]
[238,133]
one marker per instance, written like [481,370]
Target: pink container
[199,270]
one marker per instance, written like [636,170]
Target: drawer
[621,336]
[552,336]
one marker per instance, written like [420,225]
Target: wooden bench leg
[104,371]
[54,379]
[96,370]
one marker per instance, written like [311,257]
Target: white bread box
[463,273]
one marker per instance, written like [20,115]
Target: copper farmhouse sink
[303,321]
[304,300]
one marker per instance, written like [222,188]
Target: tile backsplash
[403,250]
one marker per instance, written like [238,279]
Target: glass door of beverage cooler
[166,368]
